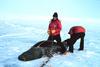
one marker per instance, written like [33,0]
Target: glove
[53,31]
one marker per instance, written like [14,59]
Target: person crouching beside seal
[76,32]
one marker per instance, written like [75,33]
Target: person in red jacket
[54,28]
[76,32]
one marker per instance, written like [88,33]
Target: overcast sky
[43,8]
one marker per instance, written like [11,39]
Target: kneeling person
[76,32]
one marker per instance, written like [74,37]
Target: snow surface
[18,36]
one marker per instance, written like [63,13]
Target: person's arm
[49,31]
[70,31]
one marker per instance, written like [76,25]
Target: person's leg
[71,48]
[72,41]
[51,38]
[82,41]
[57,38]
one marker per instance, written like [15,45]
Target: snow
[18,36]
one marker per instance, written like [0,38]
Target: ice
[17,37]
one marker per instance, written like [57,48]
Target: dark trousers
[73,39]
[58,39]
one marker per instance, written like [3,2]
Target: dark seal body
[47,48]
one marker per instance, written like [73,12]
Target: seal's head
[32,54]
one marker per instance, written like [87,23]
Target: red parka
[76,29]
[55,25]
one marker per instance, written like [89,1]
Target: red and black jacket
[55,25]
[76,29]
